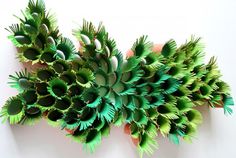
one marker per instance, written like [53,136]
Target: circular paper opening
[55,115]
[75,90]
[30,97]
[63,104]
[44,75]
[48,57]
[41,88]
[15,106]
[31,54]
[46,101]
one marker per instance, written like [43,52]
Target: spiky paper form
[86,92]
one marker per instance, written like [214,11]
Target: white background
[214,20]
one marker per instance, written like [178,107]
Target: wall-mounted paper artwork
[87,90]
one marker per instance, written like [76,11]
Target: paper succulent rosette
[85,92]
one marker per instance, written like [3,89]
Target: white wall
[214,20]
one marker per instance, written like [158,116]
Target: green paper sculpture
[85,92]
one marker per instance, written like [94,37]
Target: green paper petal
[91,97]
[140,117]
[164,125]
[60,66]
[169,49]
[87,117]
[194,117]
[168,111]
[106,111]
[93,139]
[21,81]
[13,110]
[57,88]
[69,77]
[54,118]
[141,47]
[147,144]
[67,47]
[85,77]
[32,115]
[228,101]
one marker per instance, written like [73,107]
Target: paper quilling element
[86,91]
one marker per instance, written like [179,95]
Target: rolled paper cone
[135,141]
[219,105]
[45,114]
[157,48]
[69,131]
[127,129]
[129,53]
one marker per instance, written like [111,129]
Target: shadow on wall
[44,141]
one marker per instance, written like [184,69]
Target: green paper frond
[163,124]
[194,117]
[168,111]
[21,80]
[159,77]
[115,99]
[174,138]
[131,76]
[70,119]
[93,139]
[13,110]
[153,61]
[147,144]
[87,118]
[151,129]
[32,115]
[118,119]
[222,87]
[91,97]
[69,77]
[105,131]
[18,37]
[228,101]
[184,104]
[141,47]
[67,47]
[123,89]
[86,33]
[85,77]
[130,64]
[169,49]
[57,88]
[60,66]
[139,117]
[37,6]
[106,111]
[170,85]
[54,118]
[111,48]
[140,102]
[189,133]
